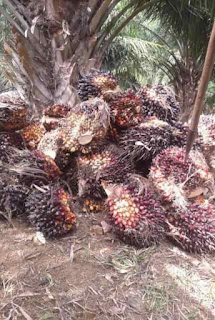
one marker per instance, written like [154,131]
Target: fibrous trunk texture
[50,50]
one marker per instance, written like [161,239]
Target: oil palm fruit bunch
[159,101]
[57,111]
[99,159]
[126,108]
[86,127]
[9,140]
[95,84]
[193,228]
[32,166]
[51,211]
[49,143]
[32,134]
[117,171]
[53,114]
[13,115]
[90,169]
[90,191]
[113,134]
[12,198]
[206,130]
[175,179]
[146,140]
[179,136]
[135,213]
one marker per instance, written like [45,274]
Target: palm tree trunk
[50,50]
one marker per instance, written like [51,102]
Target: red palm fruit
[126,108]
[9,140]
[175,179]
[51,211]
[136,214]
[32,134]
[13,114]
[193,228]
[95,84]
[86,127]
[57,111]
[159,101]
[146,140]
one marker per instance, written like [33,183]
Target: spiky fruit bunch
[57,111]
[12,198]
[89,187]
[126,108]
[51,211]
[137,216]
[176,179]
[207,138]
[113,134]
[193,228]
[49,143]
[33,165]
[86,127]
[13,117]
[95,84]
[159,101]
[146,140]
[91,167]
[32,134]
[207,132]
[9,140]
[179,136]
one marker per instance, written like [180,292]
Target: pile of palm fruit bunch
[117,153]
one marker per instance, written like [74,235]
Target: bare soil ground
[93,276]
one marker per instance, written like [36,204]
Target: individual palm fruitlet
[51,211]
[136,214]
[95,84]
[159,101]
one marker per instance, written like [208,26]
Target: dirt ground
[90,275]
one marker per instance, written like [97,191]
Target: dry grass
[92,276]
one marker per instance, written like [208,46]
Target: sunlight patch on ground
[198,284]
